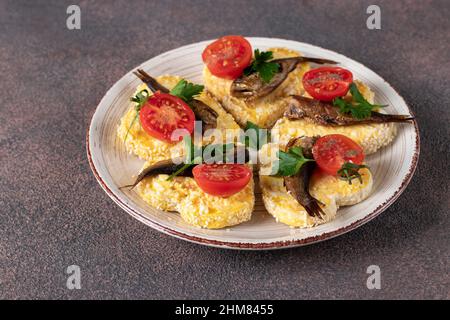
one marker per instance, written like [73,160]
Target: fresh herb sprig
[350,171]
[359,107]
[140,98]
[196,155]
[290,162]
[179,171]
[186,90]
[193,155]
[255,141]
[261,64]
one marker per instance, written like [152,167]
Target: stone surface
[54,214]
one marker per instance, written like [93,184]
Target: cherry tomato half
[163,113]
[327,83]
[332,151]
[222,179]
[227,57]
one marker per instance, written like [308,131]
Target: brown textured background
[54,214]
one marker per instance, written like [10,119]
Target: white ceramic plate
[392,167]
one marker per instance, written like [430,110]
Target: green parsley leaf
[195,154]
[268,70]
[131,125]
[186,166]
[359,107]
[356,94]
[358,111]
[289,163]
[349,171]
[344,106]
[263,55]
[260,137]
[186,90]
[263,66]
[140,99]
[363,111]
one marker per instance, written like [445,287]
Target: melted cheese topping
[196,207]
[151,149]
[182,194]
[331,191]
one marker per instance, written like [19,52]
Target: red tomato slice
[327,83]
[222,179]
[332,151]
[163,113]
[227,57]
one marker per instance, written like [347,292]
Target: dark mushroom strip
[162,167]
[325,113]
[170,166]
[202,111]
[252,86]
[298,185]
[151,82]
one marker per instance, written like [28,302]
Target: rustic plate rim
[262,245]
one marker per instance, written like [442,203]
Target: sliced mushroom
[204,113]
[298,184]
[162,167]
[252,86]
[325,113]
